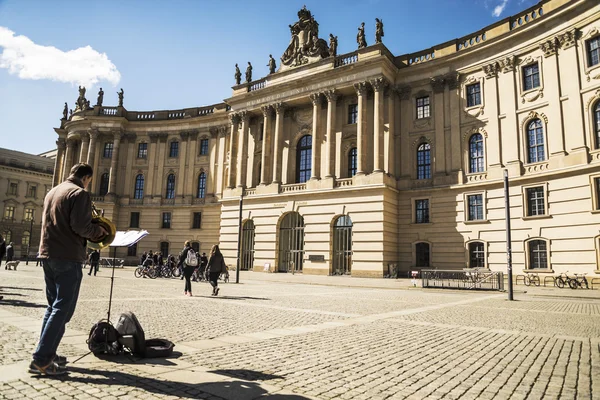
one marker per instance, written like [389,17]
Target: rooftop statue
[65,111]
[272,66]
[81,103]
[332,45]
[378,30]
[121,95]
[249,72]
[305,45]
[360,36]
[100,97]
[238,75]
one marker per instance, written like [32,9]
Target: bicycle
[561,280]
[531,279]
[579,281]
[145,270]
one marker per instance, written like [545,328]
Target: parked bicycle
[561,280]
[531,279]
[145,270]
[579,281]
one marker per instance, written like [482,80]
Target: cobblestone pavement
[290,337]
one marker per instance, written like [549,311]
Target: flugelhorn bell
[108,226]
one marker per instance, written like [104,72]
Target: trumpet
[107,224]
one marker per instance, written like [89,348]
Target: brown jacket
[216,264]
[67,222]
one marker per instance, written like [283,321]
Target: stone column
[127,171]
[332,98]
[388,135]
[454,143]
[91,155]
[277,141]
[211,174]
[403,164]
[180,191]
[556,143]
[58,162]
[149,189]
[112,181]
[235,121]
[493,144]
[242,153]
[190,173]
[220,178]
[315,162]
[68,158]
[160,178]
[266,144]
[439,87]
[361,145]
[509,129]
[378,85]
[85,144]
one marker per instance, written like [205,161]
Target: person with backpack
[189,260]
[216,266]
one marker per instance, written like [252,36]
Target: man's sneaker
[52,369]
[216,291]
[60,360]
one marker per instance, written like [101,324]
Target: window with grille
[422,254]
[170,194]
[593,50]
[531,76]
[166,220]
[597,188]
[423,110]
[197,220]
[25,238]
[203,147]
[476,162]
[352,113]
[174,149]
[134,220]
[597,124]
[201,186]
[28,214]
[32,192]
[538,255]
[535,201]
[13,188]
[303,159]
[138,193]
[352,162]
[104,184]
[142,150]
[422,211]
[535,142]
[108,150]
[424,161]
[9,212]
[475,207]
[7,236]
[476,255]
[474,95]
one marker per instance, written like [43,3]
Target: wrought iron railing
[474,279]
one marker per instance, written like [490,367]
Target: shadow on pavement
[228,390]
[246,374]
[19,288]
[20,303]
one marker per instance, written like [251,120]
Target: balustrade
[176,114]
[256,85]
[146,115]
[346,59]
[109,111]
[294,187]
[343,182]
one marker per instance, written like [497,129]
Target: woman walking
[216,266]
[185,259]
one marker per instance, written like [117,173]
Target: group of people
[6,250]
[211,267]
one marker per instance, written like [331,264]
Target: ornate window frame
[525,202]
[478,109]
[135,181]
[425,122]
[535,93]
[29,186]
[592,72]
[414,159]
[200,172]
[526,267]
[137,150]
[590,110]
[466,195]
[468,252]
[11,181]
[170,143]
[525,136]
[467,135]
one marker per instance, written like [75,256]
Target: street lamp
[508,236]
[237,267]
[29,242]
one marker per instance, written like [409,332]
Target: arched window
[201,186]
[25,239]
[303,159]
[139,187]
[422,254]
[352,158]
[424,161]
[170,187]
[476,153]
[104,184]
[7,234]
[535,142]
[597,124]
[538,254]
[476,255]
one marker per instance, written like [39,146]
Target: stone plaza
[284,336]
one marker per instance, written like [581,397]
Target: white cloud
[27,60]
[499,8]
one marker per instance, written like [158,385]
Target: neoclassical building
[364,162]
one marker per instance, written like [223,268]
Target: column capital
[130,137]
[184,135]
[279,107]
[315,98]
[491,70]
[267,111]
[379,84]
[453,80]
[153,137]
[244,116]
[331,95]
[93,133]
[549,47]
[222,130]
[403,91]
[71,141]
[507,64]
[84,136]
[438,83]
[163,136]
[567,39]
[234,119]
[61,144]
[117,135]
[361,88]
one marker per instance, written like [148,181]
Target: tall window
[474,94]
[142,150]
[535,142]
[164,248]
[422,211]
[28,214]
[13,188]
[104,184]
[424,161]
[535,201]
[9,212]
[203,147]
[25,238]
[174,149]
[475,207]
[32,191]
[170,187]
[531,76]
[597,187]
[476,255]
[476,153]
[423,110]
[108,150]
[538,256]
[166,220]
[352,160]
[593,49]
[132,250]
[138,193]
[134,220]
[197,220]
[303,159]
[201,186]
[352,113]
[422,254]
[7,234]
[597,124]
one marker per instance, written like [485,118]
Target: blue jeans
[63,279]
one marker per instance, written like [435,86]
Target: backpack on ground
[132,337]
[192,258]
[103,339]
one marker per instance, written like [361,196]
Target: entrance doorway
[342,246]
[291,243]
[247,245]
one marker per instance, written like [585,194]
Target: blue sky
[177,54]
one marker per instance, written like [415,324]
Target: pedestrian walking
[66,224]
[94,261]
[2,249]
[10,252]
[216,266]
[188,259]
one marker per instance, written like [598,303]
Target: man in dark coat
[94,261]
[2,248]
